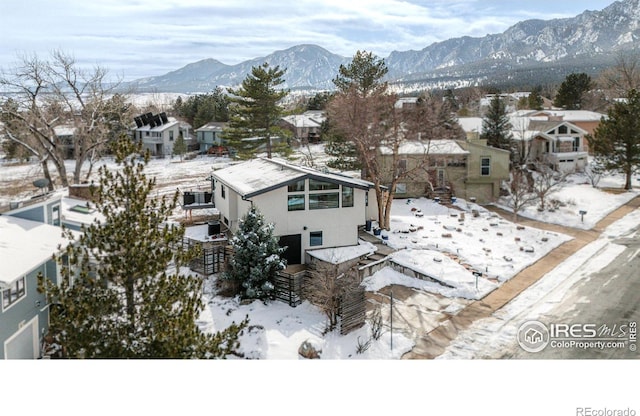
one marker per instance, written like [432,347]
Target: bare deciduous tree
[520,192]
[325,287]
[55,93]
[547,181]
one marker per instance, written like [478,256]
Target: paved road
[608,297]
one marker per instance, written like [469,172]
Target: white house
[310,209]
[157,133]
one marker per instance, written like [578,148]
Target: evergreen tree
[319,101]
[256,111]
[343,152]
[123,292]
[535,99]
[572,90]
[180,146]
[616,140]
[201,109]
[256,258]
[496,128]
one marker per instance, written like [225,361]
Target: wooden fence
[352,310]
[289,285]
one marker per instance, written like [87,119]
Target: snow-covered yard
[577,195]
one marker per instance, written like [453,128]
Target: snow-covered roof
[79,211]
[471,124]
[342,254]
[303,120]
[25,245]
[212,126]
[64,130]
[431,147]
[258,176]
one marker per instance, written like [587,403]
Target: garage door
[24,343]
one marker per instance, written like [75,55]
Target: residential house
[157,133]
[210,136]
[446,168]
[30,234]
[65,135]
[305,127]
[555,137]
[311,209]
[585,120]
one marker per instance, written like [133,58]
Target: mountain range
[530,52]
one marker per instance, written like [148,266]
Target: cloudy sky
[138,38]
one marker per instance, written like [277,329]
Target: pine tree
[256,111]
[572,90]
[123,292]
[616,140]
[180,147]
[535,99]
[256,258]
[496,128]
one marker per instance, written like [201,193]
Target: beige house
[448,168]
[310,209]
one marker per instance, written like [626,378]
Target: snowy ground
[578,195]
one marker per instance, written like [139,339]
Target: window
[14,293]
[315,185]
[576,144]
[324,201]
[296,187]
[485,166]
[402,166]
[223,191]
[315,238]
[562,130]
[401,188]
[55,220]
[295,202]
[347,196]
[366,199]
[171,135]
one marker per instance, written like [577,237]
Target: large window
[315,238]
[14,293]
[324,201]
[485,166]
[295,202]
[347,196]
[296,186]
[315,185]
[576,144]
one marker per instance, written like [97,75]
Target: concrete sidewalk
[433,343]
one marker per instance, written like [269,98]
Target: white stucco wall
[339,226]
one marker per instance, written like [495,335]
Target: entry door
[24,343]
[293,253]
[441,178]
